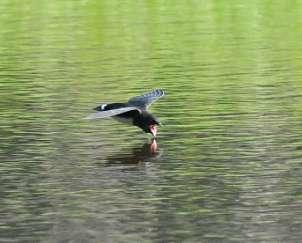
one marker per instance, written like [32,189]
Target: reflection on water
[137,155]
[228,163]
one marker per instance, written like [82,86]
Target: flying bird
[134,112]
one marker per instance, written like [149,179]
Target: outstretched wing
[110,113]
[145,100]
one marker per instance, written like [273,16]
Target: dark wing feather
[145,100]
[110,113]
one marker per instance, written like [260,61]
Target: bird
[134,111]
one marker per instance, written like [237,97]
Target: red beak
[153,130]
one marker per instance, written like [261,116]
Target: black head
[151,128]
[147,122]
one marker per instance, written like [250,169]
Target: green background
[228,166]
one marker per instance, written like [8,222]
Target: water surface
[229,157]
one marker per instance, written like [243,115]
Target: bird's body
[133,112]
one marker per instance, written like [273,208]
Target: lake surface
[228,167]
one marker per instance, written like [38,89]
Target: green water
[229,158]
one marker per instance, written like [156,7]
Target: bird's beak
[153,130]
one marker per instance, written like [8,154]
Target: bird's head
[148,123]
[152,127]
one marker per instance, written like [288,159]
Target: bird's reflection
[137,155]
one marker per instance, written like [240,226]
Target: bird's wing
[145,100]
[109,113]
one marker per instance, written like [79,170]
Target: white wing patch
[103,107]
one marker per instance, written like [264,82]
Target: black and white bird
[133,112]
